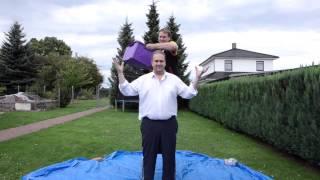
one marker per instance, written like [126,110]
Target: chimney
[234,45]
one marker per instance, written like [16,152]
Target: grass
[104,132]
[15,119]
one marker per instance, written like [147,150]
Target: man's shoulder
[146,75]
[172,76]
[141,78]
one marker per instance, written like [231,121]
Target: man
[158,91]
[169,47]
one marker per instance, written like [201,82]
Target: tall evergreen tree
[124,39]
[151,36]
[1,67]
[2,87]
[181,56]
[16,62]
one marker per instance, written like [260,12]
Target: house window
[228,65]
[260,65]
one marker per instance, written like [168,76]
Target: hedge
[282,109]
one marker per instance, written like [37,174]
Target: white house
[235,61]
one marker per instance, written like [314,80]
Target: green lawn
[104,132]
[14,119]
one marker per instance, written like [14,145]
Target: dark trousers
[159,136]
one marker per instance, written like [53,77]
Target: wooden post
[59,96]
[97,95]
[72,94]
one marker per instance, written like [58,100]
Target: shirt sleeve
[129,89]
[186,92]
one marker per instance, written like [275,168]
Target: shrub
[282,109]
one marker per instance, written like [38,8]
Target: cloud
[192,10]
[252,14]
[286,28]
[296,5]
[88,40]
[98,15]
[5,22]
[103,56]
[106,73]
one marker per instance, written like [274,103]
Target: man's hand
[118,66]
[200,70]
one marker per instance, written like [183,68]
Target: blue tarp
[128,165]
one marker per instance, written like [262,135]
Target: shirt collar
[163,77]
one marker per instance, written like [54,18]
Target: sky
[289,29]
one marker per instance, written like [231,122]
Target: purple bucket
[137,55]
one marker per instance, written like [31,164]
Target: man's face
[163,37]
[158,63]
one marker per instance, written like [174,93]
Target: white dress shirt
[158,98]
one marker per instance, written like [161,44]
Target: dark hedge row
[282,109]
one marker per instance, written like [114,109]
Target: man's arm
[170,46]
[190,91]
[127,89]
[199,72]
[119,68]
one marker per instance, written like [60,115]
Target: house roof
[218,75]
[239,53]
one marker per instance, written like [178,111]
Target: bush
[86,94]
[282,109]
[2,90]
[50,95]
[65,97]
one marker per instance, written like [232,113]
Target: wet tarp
[128,165]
